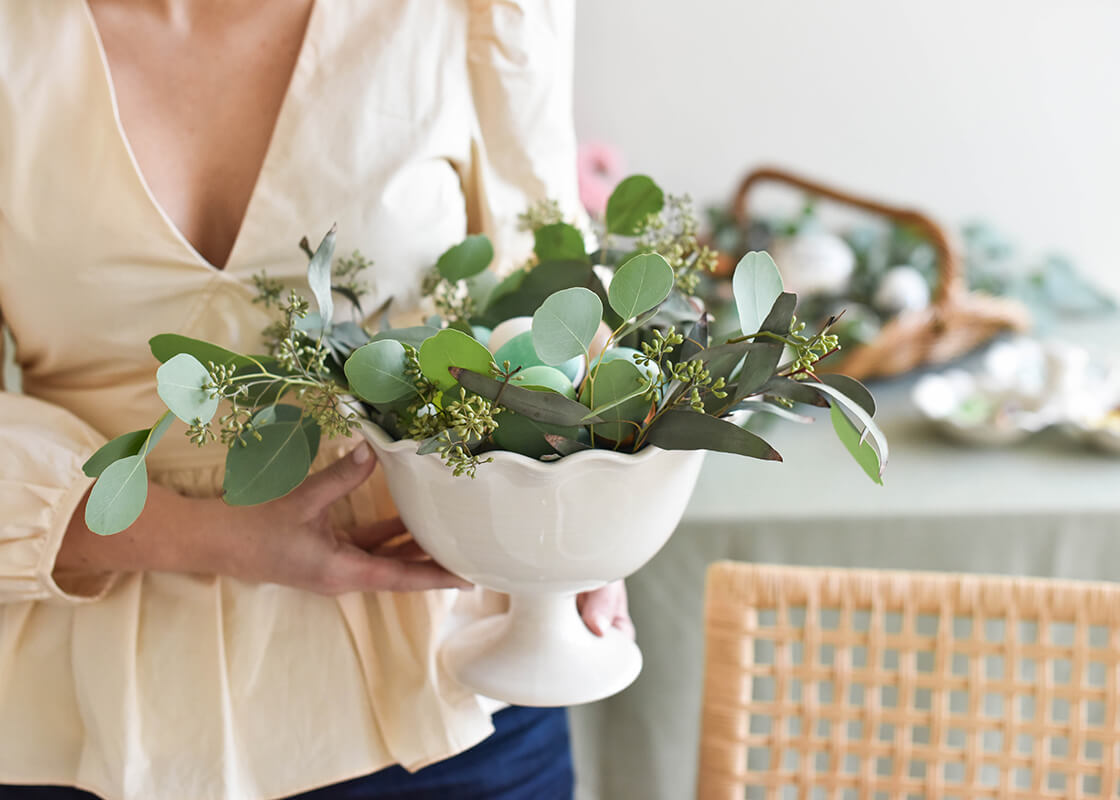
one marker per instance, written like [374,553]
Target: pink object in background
[600,169]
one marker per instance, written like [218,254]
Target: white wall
[1006,110]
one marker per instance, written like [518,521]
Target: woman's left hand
[605,608]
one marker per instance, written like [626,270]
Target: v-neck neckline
[304,55]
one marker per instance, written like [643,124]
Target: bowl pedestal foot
[540,653]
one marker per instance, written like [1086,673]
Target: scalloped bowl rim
[571,461]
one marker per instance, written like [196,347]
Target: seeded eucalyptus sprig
[575,350]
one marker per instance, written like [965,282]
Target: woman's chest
[372,137]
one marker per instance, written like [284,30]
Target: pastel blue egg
[519,352]
[481,333]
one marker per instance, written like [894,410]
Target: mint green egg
[545,378]
[481,333]
[519,352]
[627,354]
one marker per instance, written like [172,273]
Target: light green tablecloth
[1047,508]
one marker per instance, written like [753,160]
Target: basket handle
[951,278]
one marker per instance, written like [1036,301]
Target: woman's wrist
[173,534]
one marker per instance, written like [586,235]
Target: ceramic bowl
[541,532]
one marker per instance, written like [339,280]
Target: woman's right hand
[289,541]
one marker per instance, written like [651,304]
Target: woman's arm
[290,541]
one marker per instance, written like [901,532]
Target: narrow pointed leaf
[696,339]
[565,446]
[319,276]
[690,430]
[550,407]
[797,391]
[780,316]
[869,428]
[861,451]
[759,367]
[166,346]
[853,389]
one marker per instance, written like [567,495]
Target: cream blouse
[409,122]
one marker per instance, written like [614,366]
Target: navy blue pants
[527,758]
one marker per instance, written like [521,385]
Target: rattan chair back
[835,683]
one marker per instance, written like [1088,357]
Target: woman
[153,157]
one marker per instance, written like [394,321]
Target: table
[1047,507]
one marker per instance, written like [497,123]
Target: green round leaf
[181,383]
[565,324]
[118,497]
[376,372]
[469,257]
[452,348]
[640,284]
[617,395]
[756,284]
[559,242]
[631,202]
[269,468]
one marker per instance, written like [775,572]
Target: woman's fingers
[371,537]
[357,571]
[337,480]
[606,608]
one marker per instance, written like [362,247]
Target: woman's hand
[289,541]
[605,608]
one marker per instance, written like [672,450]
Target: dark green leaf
[797,391]
[559,242]
[690,430]
[263,470]
[319,276]
[549,407]
[759,367]
[565,446]
[853,389]
[695,340]
[543,280]
[520,434]
[118,497]
[861,451]
[349,294]
[781,314]
[123,446]
[469,257]
[631,203]
[414,336]
[166,346]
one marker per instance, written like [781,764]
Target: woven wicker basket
[955,322]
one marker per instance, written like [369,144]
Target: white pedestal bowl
[541,532]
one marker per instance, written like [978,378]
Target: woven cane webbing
[833,683]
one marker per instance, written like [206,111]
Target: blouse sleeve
[520,61]
[42,449]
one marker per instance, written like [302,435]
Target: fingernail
[362,453]
[602,624]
